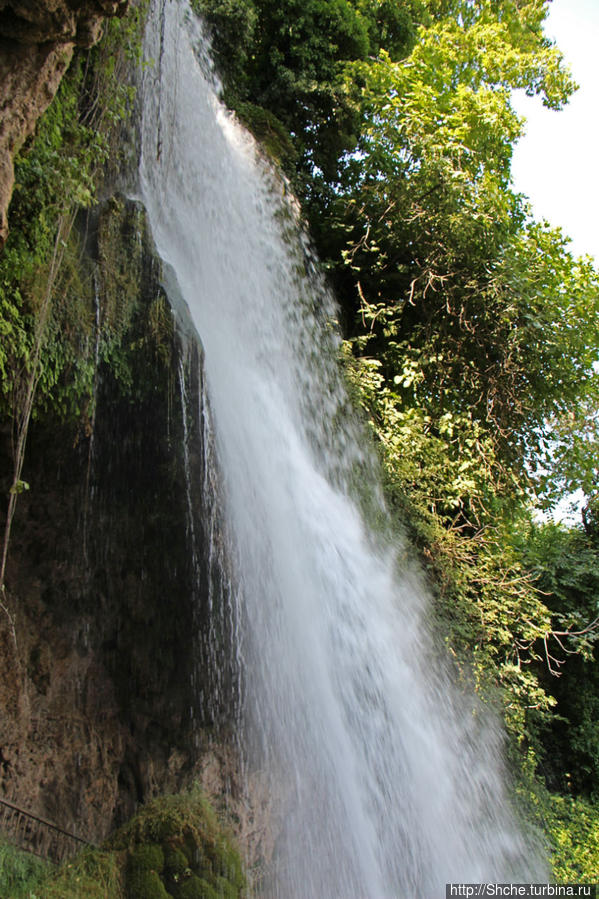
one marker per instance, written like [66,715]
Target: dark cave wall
[108,693]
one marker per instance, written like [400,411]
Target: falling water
[386,783]
[215,675]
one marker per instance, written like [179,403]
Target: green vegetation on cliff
[57,173]
[174,848]
[48,355]
[99,592]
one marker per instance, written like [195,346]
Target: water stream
[387,783]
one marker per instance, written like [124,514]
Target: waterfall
[386,781]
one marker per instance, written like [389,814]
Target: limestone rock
[104,686]
[36,45]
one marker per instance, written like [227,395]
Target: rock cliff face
[106,693]
[37,41]
[117,675]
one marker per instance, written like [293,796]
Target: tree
[287,58]
[447,277]
[565,563]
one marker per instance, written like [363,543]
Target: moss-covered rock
[176,863]
[180,840]
[142,883]
[149,856]
[226,863]
[195,887]
[225,889]
[174,847]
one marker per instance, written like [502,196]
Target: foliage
[444,268]
[46,175]
[573,825]
[232,24]
[476,332]
[565,562]
[93,873]
[403,162]
[570,827]
[56,174]
[55,335]
[288,58]
[19,871]
[269,132]
[442,482]
[174,846]
[177,847]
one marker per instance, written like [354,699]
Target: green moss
[181,838]
[226,863]
[176,862]
[175,846]
[225,888]
[142,883]
[57,172]
[195,887]
[149,856]
[270,132]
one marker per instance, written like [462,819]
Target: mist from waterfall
[387,780]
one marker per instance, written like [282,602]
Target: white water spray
[387,787]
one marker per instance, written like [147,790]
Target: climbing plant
[47,357]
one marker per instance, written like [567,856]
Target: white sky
[557,163]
